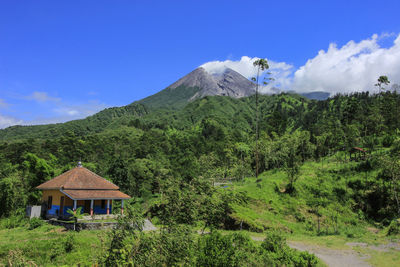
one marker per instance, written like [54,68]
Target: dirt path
[333,257]
[382,247]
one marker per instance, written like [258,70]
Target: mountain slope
[158,108]
[92,124]
[200,83]
[174,98]
[196,84]
[229,83]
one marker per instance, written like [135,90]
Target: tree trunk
[258,73]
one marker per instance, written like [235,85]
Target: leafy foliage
[171,161]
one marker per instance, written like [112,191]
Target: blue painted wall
[99,210]
[66,208]
[56,208]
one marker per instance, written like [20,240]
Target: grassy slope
[269,208]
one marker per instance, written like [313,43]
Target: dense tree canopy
[143,148]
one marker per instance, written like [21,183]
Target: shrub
[35,223]
[276,252]
[388,140]
[216,250]
[273,242]
[56,250]
[69,243]
[13,221]
[393,228]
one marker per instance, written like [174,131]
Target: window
[103,204]
[49,202]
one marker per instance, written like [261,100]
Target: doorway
[87,207]
[62,205]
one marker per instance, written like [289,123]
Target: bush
[69,243]
[13,221]
[394,228]
[276,252]
[171,247]
[56,250]
[353,231]
[273,242]
[35,223]
[388,140]
[216,250]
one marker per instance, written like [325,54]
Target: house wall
[55,207]
[97,207]
[69,203]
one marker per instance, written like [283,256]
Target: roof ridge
[100,176]
[79,178]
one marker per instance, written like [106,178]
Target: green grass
[47,245]
[381,258]
[269,207]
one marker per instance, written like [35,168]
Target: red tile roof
[80,183]
[78,178]
[95,194]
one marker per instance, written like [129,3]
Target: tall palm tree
[261,65]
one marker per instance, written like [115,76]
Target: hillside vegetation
[169,158]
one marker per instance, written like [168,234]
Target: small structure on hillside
[79,187]
[357,153]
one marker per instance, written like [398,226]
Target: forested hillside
[90,125]
[314,178]
[212,137]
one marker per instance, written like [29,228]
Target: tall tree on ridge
[261,65]
[382,80]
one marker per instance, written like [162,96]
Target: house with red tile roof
[79,187]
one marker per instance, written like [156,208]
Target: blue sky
[62,60]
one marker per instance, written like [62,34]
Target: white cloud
[42,97]
[6,121]
[80,111]
[280,71]
[61,112]
[353,67]
[67,111]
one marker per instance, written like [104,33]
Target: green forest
[328,168]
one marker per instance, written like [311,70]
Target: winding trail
[333,257]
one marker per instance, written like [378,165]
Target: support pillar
[91,207]
[108,206]
[122,207]
[74,208]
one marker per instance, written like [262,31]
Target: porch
[58,203]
